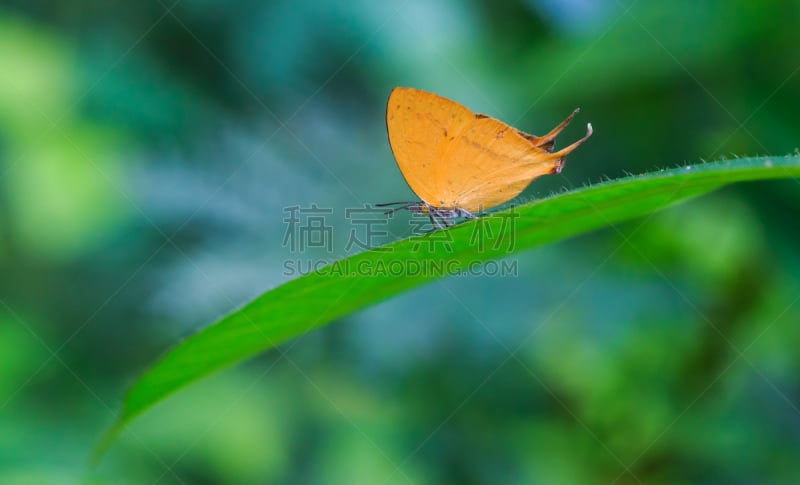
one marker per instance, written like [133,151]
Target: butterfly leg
[433,219]
[466,213]
[443,216]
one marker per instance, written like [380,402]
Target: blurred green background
[148,149]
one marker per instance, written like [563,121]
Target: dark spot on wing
[445,132]
[479,116]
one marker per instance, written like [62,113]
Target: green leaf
[343,287]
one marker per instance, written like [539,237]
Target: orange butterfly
[459,162]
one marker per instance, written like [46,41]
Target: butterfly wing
[491,163]
[453,158]
[421,126]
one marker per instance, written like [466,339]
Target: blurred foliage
[147,151]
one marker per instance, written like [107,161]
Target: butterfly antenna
[386,204]
[405,205]
[392,211]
